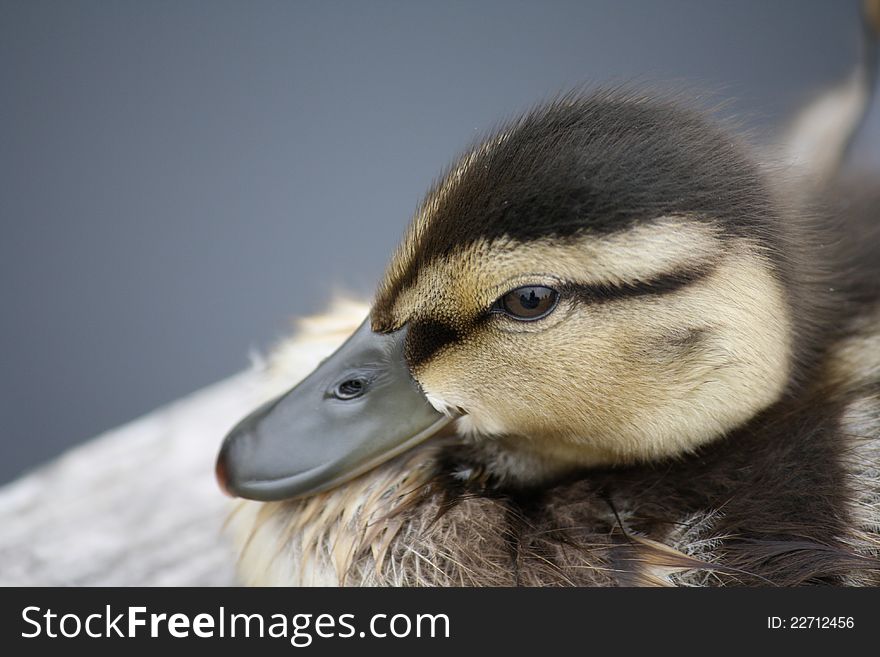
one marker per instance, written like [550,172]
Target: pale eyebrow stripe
[639,253]
[642,252]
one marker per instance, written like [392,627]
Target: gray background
[180,178]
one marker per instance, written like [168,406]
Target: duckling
[615,347]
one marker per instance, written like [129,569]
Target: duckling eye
[528,303]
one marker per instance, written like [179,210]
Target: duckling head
[600,282]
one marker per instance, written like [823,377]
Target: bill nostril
[350,389]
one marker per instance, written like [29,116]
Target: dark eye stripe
[603,292]
[426,338]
